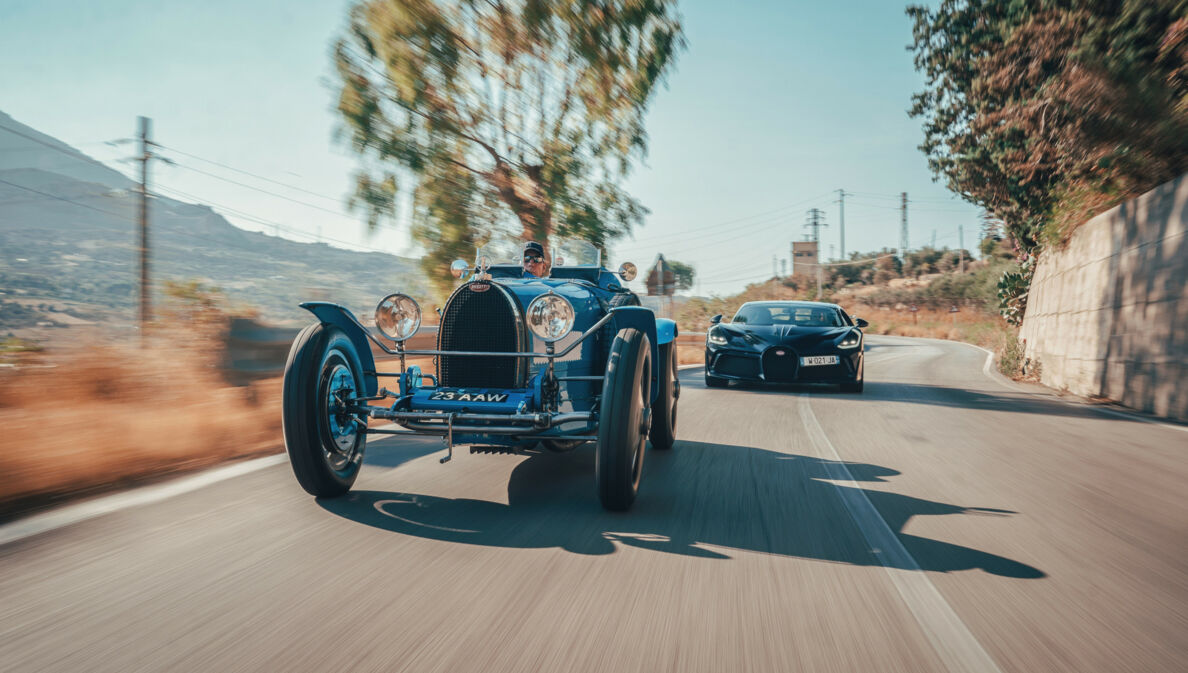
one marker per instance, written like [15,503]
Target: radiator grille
[780,368]
[737,365]
[479,321]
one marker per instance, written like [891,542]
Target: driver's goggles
[533,259]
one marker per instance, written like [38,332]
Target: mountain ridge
[68,234]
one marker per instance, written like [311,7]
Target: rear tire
[325,445]
[622,430]
[664,412]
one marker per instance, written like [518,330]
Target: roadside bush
[1011,359]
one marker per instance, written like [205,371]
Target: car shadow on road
[700,499]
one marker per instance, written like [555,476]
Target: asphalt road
[943,520]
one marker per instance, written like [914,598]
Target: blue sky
[774,106]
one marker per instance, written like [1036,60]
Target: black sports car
[786,342]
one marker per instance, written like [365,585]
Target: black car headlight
[716,337]
[850,340]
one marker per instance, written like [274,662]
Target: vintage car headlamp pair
[550,317]
[716,336]
[398,316]
[850,340]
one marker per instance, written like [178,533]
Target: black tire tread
[663,430]
[300,426]
[613,468]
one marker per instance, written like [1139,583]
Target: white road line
[956,647]
[72,514]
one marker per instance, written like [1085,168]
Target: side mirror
[716,319]
[860,322]
[627,271]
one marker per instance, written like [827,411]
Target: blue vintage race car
[559,361]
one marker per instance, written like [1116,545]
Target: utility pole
[961,248]
[784,267]
[903,226]
[775,271]
[143,157]
[814,222]
[841,200]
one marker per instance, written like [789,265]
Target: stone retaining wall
[1108,315]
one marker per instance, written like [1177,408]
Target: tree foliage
[685,274]
[528,112]
[1043,111]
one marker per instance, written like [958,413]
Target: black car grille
[737,365]
[780,364]
[485,322]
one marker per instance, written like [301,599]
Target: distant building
[805,258]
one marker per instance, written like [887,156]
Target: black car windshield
[802,316]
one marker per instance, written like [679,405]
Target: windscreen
[563,252]
[803,316]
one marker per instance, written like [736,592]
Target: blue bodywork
[593,292]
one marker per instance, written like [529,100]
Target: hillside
[68,247]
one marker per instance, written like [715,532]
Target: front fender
[340,317]
[645,321]
[666,330]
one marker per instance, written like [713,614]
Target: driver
[534,261]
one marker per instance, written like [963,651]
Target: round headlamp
[398,316]
[550,317]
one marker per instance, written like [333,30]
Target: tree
[1043,111]
[530,110]
[685,274]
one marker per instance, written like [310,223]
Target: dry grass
[82,419]
[975,327]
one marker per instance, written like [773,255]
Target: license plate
[814,360]
[467,396]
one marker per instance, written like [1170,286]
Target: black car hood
[794,336]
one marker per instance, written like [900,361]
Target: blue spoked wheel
[324,440]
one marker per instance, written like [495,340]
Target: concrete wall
[1108,315]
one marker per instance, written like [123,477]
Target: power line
[59,198]
[271,223]
[254,175]
[738,220]
[74,155]
[13,202]
[265,191]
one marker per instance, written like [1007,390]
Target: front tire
[325,444]
[663,432]
[712,381]
[622,430]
